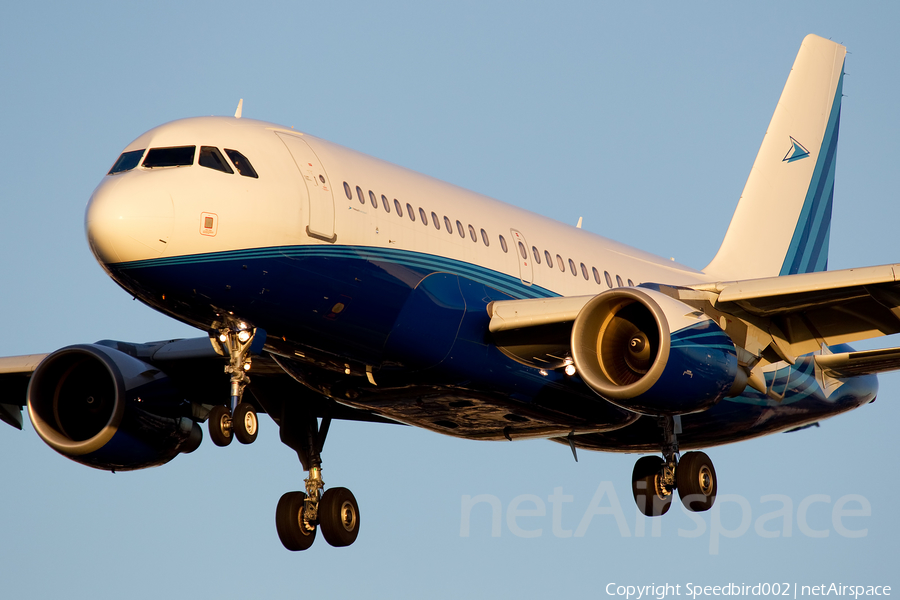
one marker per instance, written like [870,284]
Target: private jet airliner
[328,285]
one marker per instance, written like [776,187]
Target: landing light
[243,336]
[570,370]
[223,338]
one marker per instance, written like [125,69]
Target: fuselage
[372,281]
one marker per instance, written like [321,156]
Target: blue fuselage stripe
[425,263]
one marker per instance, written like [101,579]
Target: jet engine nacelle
[652,354]
[108,410]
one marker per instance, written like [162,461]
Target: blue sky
[643,118]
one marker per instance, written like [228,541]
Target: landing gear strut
[239,420]
[654,479]
[299,514]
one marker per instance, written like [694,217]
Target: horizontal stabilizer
[853,364]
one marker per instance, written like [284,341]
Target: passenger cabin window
[211,158]
[347,191]
[630,283]
[537,254]
[619,281]
[126,161]
[373,199]
[359,194]
[177,156]
[422,216]
[560,263]
[409,211]
[596,275]
[484,238]
[608,279]
[584,272]
[435,221]
[572,267]
[385,203]
[460,230]
[523,251]
[472,233]
[448,225]
[503,244]
[398,208]
[548,259]
[241,163]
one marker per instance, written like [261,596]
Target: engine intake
[652,354]
[108,410]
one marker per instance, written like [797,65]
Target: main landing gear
[299,514]
[239,420]
[655,479]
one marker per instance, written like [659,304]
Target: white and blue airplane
[332,285]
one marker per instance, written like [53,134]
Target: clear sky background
[643,118]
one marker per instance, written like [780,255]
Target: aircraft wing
[798,313]
[15,371]
[809,309]
[197,368]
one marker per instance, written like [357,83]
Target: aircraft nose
[127,220]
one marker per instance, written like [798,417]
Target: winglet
[237,113]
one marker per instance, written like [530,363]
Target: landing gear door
[321,200]
[520,248]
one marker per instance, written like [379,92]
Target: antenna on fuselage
[579,223]
[237,113]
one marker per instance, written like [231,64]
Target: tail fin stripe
[799,255]
[822,262]
[812,244]
[822,227]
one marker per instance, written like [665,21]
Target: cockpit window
[126,162]
[211,158]
[178,156]
[241,163]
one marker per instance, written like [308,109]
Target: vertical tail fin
[783,219]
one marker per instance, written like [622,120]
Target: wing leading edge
[795,314]
[15,372]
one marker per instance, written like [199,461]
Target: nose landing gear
[654,479]
[239,420]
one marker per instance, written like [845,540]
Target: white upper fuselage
[152,213]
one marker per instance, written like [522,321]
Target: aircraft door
[520,248]
[321,200]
